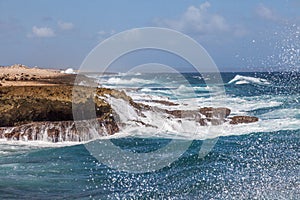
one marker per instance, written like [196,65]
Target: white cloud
[266,13]
[197,20]
[41,32]
[204,5]
[65,25]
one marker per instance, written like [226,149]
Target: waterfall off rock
[60,131]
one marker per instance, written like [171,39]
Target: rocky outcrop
[24,104]
[49,110]
[243,119]
[212,116]
[45,112]
[164,102]
[17,77]
[205,116]
[211,112]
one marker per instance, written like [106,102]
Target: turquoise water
[260,161]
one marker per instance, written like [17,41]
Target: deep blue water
[255,165]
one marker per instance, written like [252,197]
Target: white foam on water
[239,79]
[9,147]
[281,114]
[181,91]
[146,96]
[146,90]
[242,82]
[125,111]
[162,125]
[198,88]
[184,91]
[38,143]
[155,124]
[198,77]
[240,105]
[122,81]
[190,130]
[260,126]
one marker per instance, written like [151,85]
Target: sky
[239,35]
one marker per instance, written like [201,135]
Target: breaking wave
[241,80]
[123,81]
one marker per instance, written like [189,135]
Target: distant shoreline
[21,75]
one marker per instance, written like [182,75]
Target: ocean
[259,160]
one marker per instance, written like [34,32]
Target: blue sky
[239,35]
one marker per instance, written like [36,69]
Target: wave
[129,73]
[170,129]
[282,113]
[162,126]
[156,124]
[238,105]
[201,89]
[241,80]
[198,77]
[122,81]
[180,130]
[11,147]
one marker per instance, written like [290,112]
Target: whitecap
[122,81]
[239,79]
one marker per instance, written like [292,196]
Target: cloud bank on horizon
[246,36]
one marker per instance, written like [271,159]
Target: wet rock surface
[243,119]
[210,112]
[164,102]
[48,112]
[212,116]
[45,105]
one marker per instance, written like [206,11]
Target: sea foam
[240,80]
